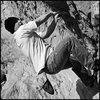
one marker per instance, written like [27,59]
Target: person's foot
[83,74]
[89,82]
[3,79]
[48,87]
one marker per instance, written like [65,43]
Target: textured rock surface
[22,81]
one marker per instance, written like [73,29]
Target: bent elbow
[45,36]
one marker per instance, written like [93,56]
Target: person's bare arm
[43,18]
[51,28]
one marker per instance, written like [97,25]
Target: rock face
[22,81]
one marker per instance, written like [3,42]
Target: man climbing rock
[30,40]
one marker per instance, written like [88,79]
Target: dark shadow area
[86,92]
[3,79]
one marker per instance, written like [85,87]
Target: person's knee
[52,68]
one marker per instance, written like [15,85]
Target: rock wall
[22,81]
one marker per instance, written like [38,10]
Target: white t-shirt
[31,44]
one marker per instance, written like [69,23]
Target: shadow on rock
[86,92]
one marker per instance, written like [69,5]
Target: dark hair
[10,24]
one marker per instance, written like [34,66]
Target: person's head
[95,16]
[12,24]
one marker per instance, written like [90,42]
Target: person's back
[30,40]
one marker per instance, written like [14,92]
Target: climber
[30,39]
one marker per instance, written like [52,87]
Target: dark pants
[69,45]
[60,58]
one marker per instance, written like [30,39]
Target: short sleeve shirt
[31,44]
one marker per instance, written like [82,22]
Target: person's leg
[56,61]
[83,60]
[82,55]
[59,59]
[82,73]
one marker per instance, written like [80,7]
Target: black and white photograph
[50,49]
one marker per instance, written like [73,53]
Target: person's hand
[56,17]
[53,13]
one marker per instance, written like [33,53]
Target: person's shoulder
[19,30]
[31,24]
